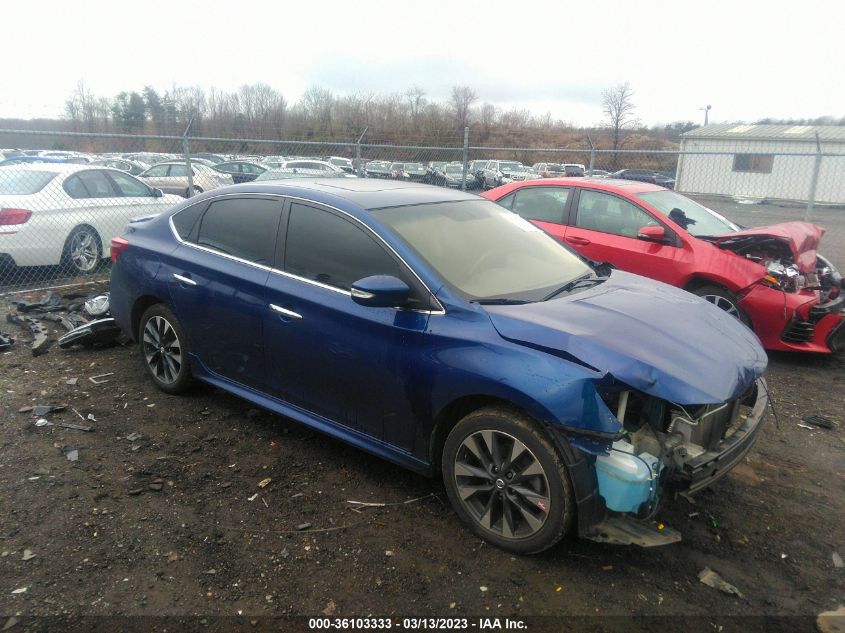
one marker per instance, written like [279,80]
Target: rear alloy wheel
[724,300]
[507,481]
[163,349]
[82,252]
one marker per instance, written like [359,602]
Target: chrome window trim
[436,312]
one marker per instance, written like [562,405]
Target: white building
[753,161]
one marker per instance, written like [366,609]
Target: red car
[771,277]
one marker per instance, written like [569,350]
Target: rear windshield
[19,182]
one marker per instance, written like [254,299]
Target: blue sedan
[446,334]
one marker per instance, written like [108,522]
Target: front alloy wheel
[502,484]
[507,481]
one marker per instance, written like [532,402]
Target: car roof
[61,168]
[362,192]
[607,184]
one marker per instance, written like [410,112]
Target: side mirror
[157,193]
[652,234]
[380,291]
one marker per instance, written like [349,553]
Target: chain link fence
[64,195]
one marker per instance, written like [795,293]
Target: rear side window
[241,227]
[186,220]
[324,247]
[545,204]
[178,170]
[89,184]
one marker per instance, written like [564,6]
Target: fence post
[592,153]
[185,150]
[817,164]
[359,169]
[466,159]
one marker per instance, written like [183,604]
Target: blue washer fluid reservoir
[626,481]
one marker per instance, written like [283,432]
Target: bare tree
[462,99]
[619,110]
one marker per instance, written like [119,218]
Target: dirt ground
[162,515]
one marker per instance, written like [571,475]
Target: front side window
[598,211]
[241,227]
[545,204]
[329,249]
[128,186]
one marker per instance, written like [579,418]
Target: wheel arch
[141,305]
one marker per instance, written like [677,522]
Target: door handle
[285,311]
[184,280]
[578,241]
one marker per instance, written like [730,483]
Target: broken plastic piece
[43,409]
[49,302]
[40,341]
[98,306]
[6,341]
[97,379]
[100,332]
[710,578]
[818,420]
[72,454]
[627,531]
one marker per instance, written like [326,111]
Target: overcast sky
[746,58]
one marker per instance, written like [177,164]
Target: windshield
[413,167]
[453,169]
[511,166]
[19,182]
[554,167]
[687,213]
[484,251]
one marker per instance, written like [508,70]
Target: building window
[755,163]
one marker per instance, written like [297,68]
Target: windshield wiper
[571,285]
[500,301]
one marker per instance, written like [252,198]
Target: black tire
[164,349]
[83,251]
[724,299]
[511,506]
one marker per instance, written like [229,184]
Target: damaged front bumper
[707,468]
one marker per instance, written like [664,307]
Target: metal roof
[803,133]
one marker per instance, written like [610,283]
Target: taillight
[9,217]
[118,245]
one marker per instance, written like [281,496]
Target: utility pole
[706,112]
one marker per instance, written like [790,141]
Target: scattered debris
[805,426]
[72,454]
[40,340]
[98,379]
[330,608]
[298,495]
[156,486]
[28,554]
[11,623]
[72,382]
[264,482]
[831,621]
[837,561]
[303,526]
[135,492]
[97,306]
[483,589]
[25,409]
[100,332]
[65,425]
[818,420]
[6,341]
[133,437]
[783,556]
[388,552]
[253,497]
[43,422]
[20,590]
[48,302]
[710,578]
[44,409]
[365,504]
[91,417]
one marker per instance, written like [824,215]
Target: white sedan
[53,213]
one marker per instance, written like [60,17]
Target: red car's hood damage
[801,238]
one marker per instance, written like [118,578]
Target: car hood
[802,239]
[655,338]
